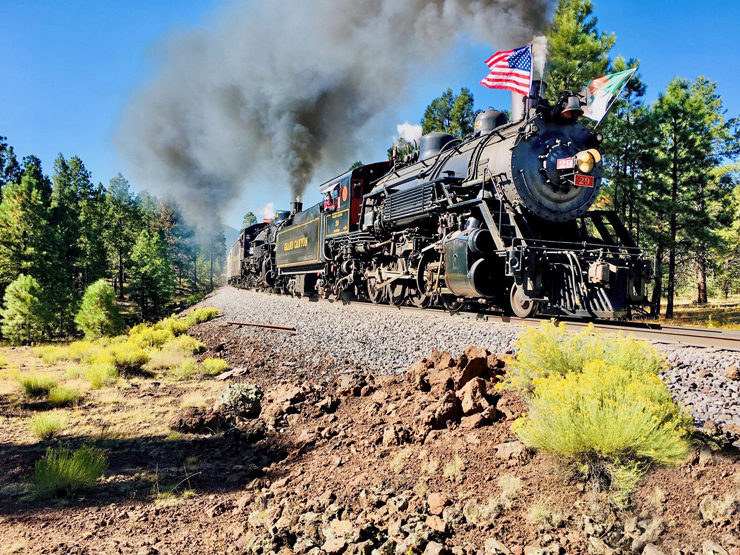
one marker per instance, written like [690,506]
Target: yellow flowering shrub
[129,358]
[606,413]
[551,350]
[200,315]
[185,343]
[148,338]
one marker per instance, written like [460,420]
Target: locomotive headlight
[587,159]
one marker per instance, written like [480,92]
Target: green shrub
[45,425]
[50,354]
[24,315]
[214,366]
[101,375]
[187,370]
[2,362]
[606,417]
[194,299]
[185,343]
[84,351]
[64,473]
[129,359]
[551,350]
[35,385]
[99,314]
[200,315]
[64,396]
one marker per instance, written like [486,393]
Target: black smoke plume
[273,89]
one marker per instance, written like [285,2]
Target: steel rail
[707,338]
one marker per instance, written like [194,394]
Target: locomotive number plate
[566,163]
[584,180]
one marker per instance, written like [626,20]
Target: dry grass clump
[45,425]
[35,385]
[50,354]
[64,473]
[454,467]
[546,517]
[193,400]
[101,375]
[64,396]
[399,461]
[167,358]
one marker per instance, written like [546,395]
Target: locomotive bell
[572,110]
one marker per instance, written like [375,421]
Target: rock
[454,517]
[474,421]
[240,400]
[418,375]
[335,546]
[390,437]
[475,367]
[242,502]
[732,373]
[434,548]
[495,547]
[652,549]
[445,410]
[147,550]
[705,456]
[436,524]
[708,547]
[328,404]
[473,396]
[198,420]
[510,450]
[215,510]
[341,528]
[437,503]
[511,406]
[598,547]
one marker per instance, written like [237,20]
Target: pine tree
[122,227]
[250,219]
[9,168]
[450,113]
[93,263]
[24,315]
[577,51]
[99,315]
[152,276]
[694,139]
[25,239]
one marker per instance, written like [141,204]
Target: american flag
[510,70]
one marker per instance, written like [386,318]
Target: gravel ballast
[388,340]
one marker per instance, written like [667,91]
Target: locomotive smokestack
[295,207]
[517,106]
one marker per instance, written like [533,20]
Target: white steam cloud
[271,90]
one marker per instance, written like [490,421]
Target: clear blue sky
[68,68]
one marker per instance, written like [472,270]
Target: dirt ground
[339,462]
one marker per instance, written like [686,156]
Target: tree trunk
[210,255]
[657,284]
[120,274]
[701,275]
[673,231]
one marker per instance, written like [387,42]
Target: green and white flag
[601,93]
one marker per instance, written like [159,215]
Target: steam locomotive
[499,219]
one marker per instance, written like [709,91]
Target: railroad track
[708,338]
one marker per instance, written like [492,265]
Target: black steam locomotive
[499,219]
